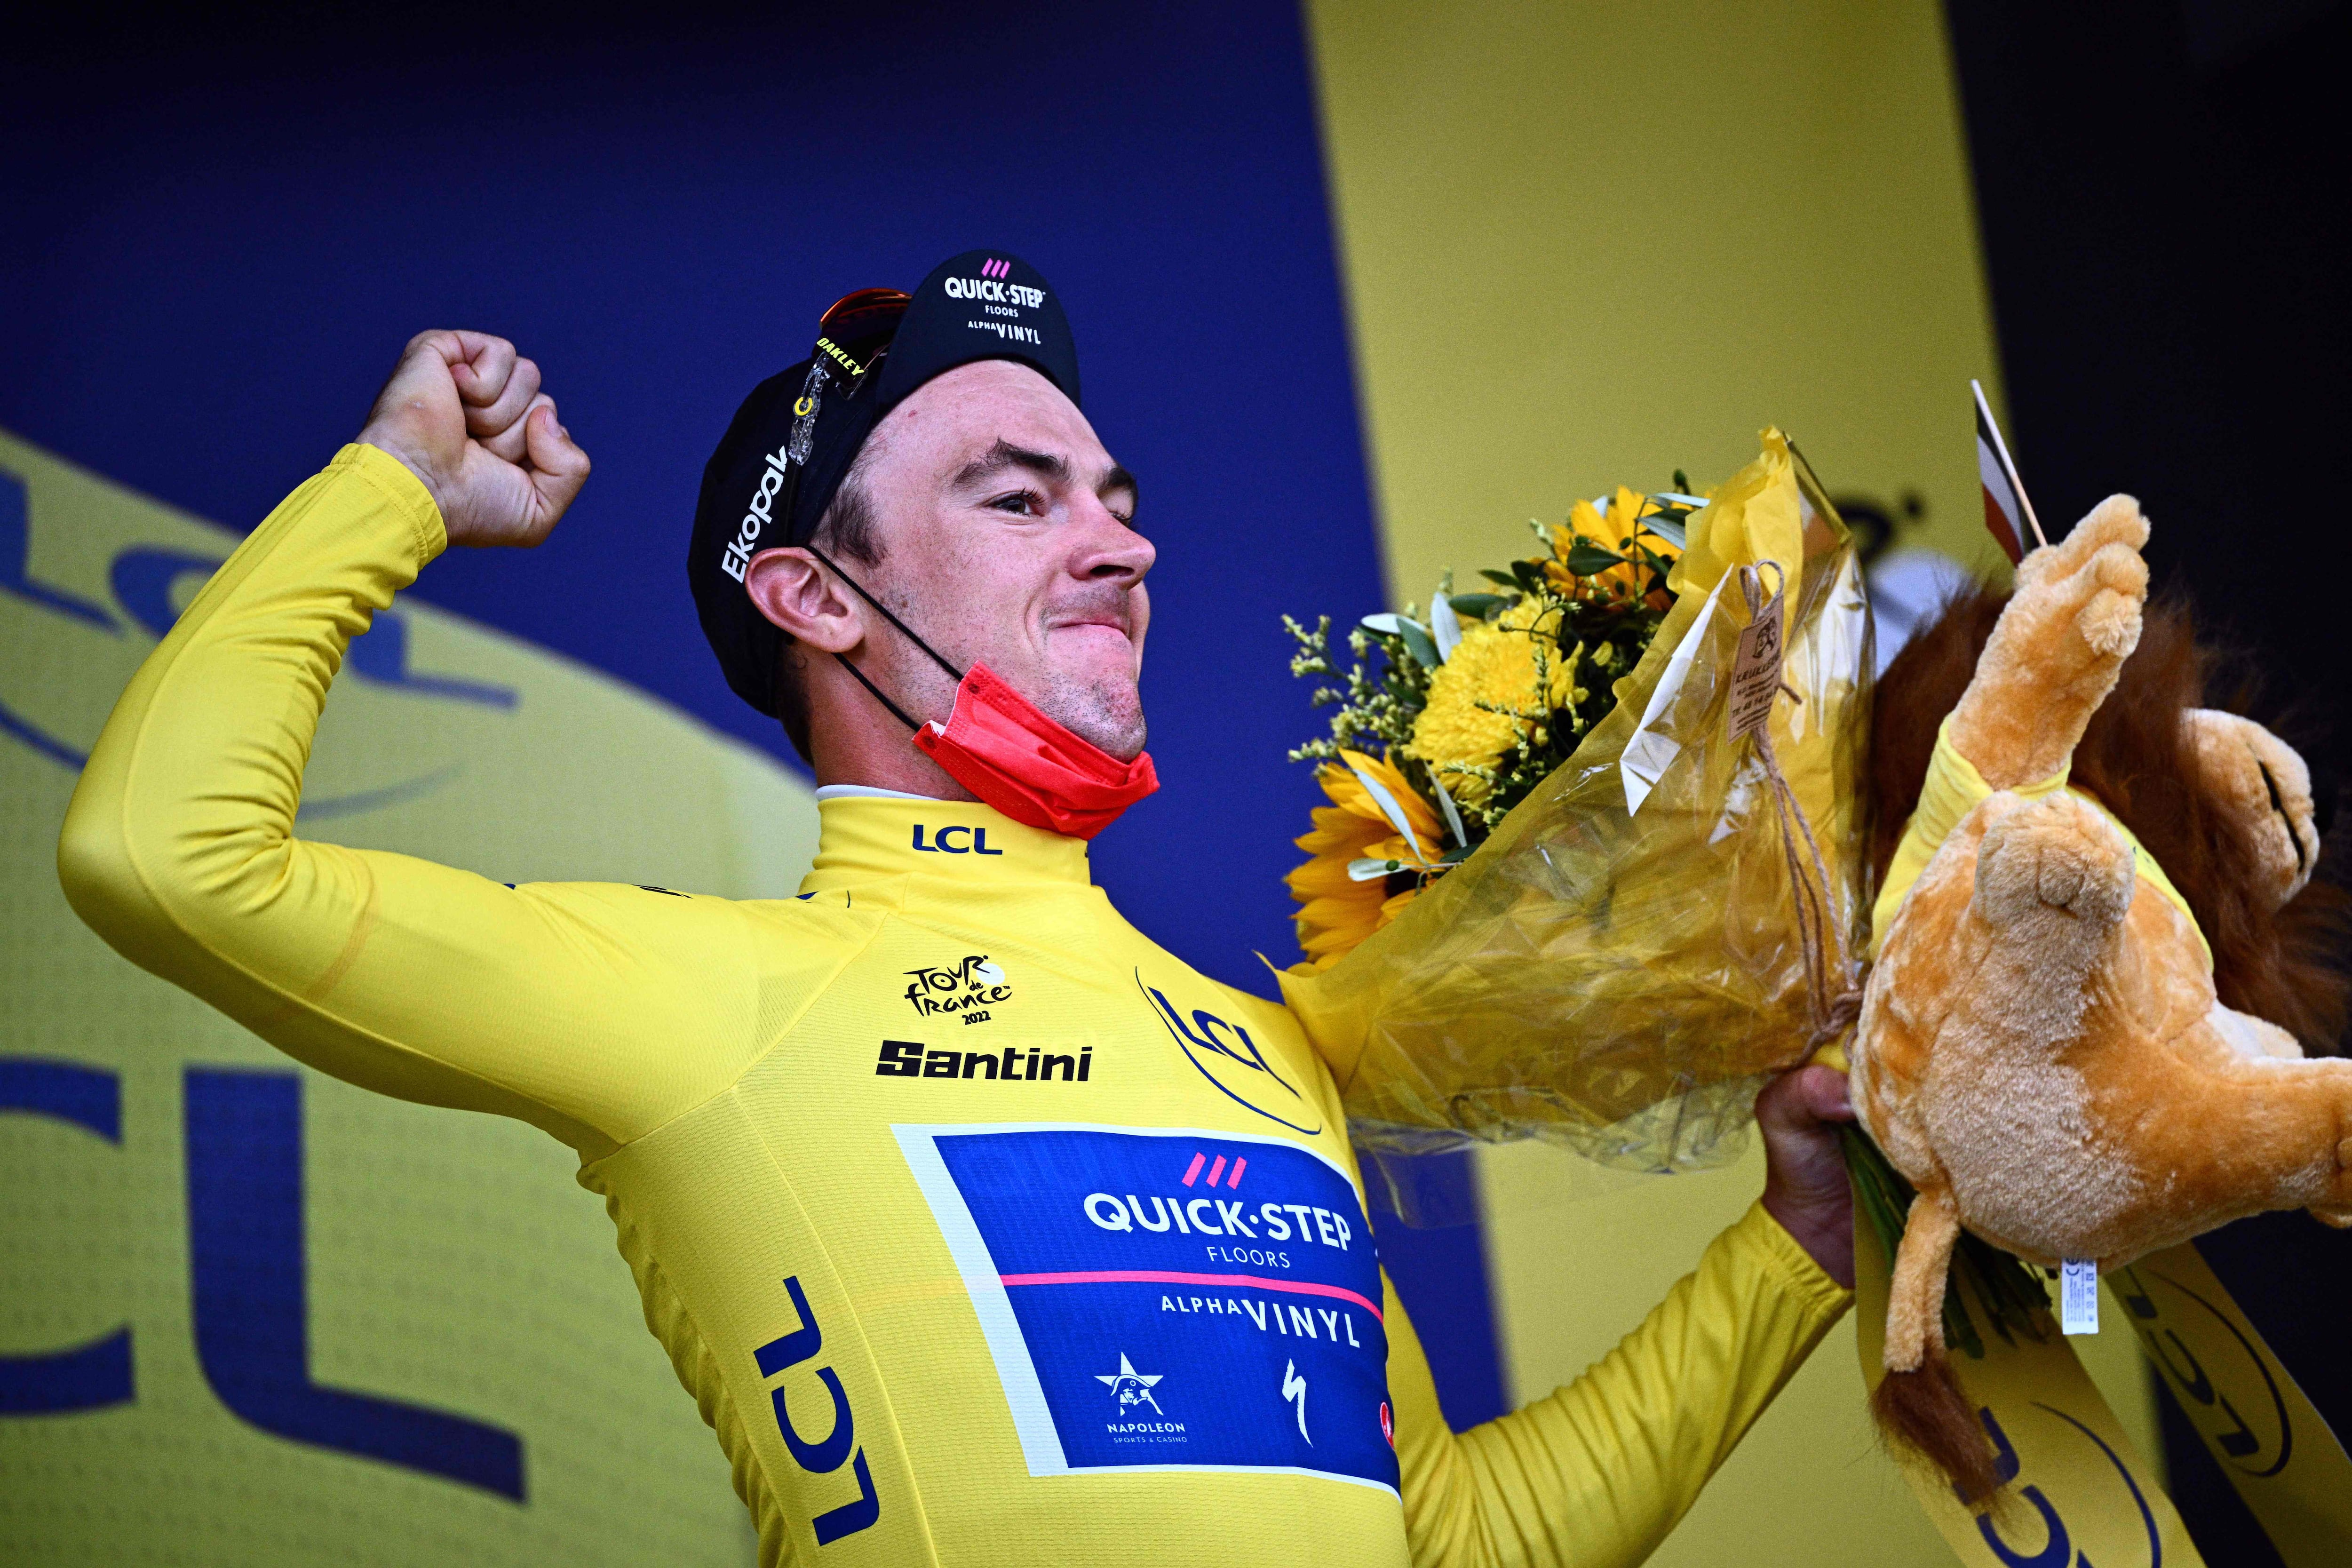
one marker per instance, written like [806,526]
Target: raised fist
[465,412]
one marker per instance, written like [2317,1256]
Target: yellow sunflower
[1494,665]
[1336,909]
[1617,531]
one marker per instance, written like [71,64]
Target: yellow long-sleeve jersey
[981,1229]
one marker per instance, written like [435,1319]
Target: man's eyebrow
[1005,455]
[1046,465]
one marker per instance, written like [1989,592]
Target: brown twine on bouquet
[1819,936]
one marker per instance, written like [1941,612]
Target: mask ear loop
[895,711]
[904,630]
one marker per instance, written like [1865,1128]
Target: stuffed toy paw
[2043,1050]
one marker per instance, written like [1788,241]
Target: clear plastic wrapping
[1619,968]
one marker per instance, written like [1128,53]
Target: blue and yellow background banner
[1360,288]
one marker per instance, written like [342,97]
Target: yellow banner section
[2285,1462]
[2079,1492]
[1585,245]
[249,1315]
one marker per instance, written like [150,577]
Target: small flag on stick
[2008,514]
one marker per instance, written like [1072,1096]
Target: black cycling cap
[784,456]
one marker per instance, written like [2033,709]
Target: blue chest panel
[1168,1299]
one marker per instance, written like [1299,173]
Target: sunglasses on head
[869,316]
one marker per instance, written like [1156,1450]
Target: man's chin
[1122,737]
[1111,719]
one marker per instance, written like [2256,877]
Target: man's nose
[1107,547]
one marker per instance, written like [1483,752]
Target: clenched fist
[465,412]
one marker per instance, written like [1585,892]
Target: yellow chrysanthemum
[1335,910]
[1493,666]
[1617,533]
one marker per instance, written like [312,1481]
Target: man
[982,1228]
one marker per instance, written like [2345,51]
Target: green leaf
[1529,576]
[1479,607]
[1419,643]
[1585,558]
[1500,579]
[1682,481]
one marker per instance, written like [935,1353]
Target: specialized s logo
[967,990]
[1224,1054]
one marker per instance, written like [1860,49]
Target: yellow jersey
[980,1228]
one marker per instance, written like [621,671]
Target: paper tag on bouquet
[1756,670]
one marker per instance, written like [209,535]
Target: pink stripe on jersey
[1169,1277]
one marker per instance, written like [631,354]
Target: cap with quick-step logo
[782,459]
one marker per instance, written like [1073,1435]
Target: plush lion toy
[2062,1049]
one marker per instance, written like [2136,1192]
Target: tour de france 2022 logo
[966,990]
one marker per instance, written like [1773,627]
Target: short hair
[846,529]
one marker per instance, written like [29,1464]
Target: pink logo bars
[995,268]
[1192,1172]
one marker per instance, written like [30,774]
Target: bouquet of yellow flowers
[1472,711]
[1591,867]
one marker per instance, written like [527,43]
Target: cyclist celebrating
[980,1227]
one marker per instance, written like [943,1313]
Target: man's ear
[792,590]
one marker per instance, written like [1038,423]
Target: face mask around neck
[1002,747]
[1010,752]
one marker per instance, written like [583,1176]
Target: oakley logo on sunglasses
[833,350]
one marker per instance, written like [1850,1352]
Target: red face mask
[999,745]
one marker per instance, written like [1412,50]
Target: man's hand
[1805,1185]
[465,412]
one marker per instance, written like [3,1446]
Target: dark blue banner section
[222,230]
[1170,1299]
[214,251]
